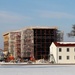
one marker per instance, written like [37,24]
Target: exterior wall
[6,42]
[15,44]
[12,43]
[27,43]
[64,55]
[22,44]
[53,52]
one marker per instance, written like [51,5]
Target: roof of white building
[66,44]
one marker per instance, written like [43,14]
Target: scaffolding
[42,41]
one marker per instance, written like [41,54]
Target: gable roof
[64,44]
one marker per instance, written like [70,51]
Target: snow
[37,70]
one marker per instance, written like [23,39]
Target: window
[74,57]
[60,57]
[74,49]
[67,49]
[68,57]
[59,49]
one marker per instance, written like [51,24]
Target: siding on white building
[53,50]
[63,54]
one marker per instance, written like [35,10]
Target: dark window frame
[60,49]
[74,57]
[74,49]
[60,57]
[67,57]
[68,49]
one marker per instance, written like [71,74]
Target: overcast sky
[17,14]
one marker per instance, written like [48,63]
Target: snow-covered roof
[66,44]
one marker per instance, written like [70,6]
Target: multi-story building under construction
[12,43]
[33,42]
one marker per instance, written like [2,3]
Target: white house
[62,52]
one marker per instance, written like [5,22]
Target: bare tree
[72,33]
[60,35]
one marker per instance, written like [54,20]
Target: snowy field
[37,70]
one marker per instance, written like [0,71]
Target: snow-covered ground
[37,70]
